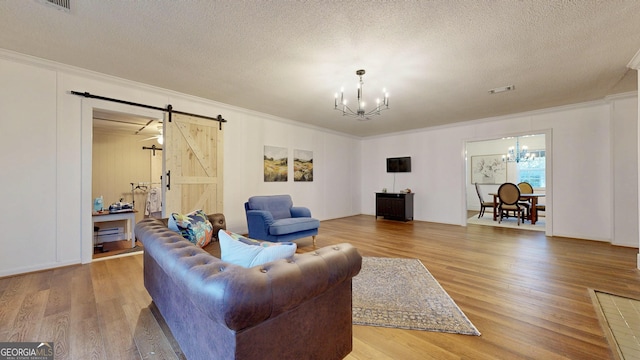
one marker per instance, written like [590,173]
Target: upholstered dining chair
[525,188]
[483,204]
[509,195]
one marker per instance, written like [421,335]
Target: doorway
[517,158]
[113,121]
[193,168]
[126,172]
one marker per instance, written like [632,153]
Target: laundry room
[126,177]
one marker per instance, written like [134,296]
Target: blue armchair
[274,218]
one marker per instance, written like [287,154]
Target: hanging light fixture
[518,154]
[360,112]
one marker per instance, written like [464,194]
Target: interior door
[192,165]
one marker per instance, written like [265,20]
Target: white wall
[437,169]
[635,64]
[46,159]
[28,143]
[581,174]
[624,127]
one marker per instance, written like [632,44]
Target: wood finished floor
[527,294]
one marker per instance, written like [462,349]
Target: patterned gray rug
[401,293]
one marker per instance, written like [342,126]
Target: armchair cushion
[292,225]
[246,252]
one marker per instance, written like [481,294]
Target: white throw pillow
[246,252]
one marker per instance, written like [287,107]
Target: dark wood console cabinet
[394,206]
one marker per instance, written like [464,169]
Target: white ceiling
[438,59]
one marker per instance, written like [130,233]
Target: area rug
[401,293]
[511,222]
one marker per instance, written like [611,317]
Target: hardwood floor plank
[59,290]
[28,320]
[116,331]
[150,339]
[56,328]
[13,293]
[383,343]
[86,340]
[82,295]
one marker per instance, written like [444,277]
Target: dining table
[534,201]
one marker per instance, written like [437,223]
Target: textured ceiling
[438,59]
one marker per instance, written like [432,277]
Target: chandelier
[518,154]
[360,112]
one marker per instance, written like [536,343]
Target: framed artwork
[488,169]
[302,165]
[276,164]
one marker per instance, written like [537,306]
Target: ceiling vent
[502,89]
[62,5]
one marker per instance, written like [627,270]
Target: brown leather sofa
[286,309]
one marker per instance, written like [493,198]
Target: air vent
[502,89]
[62,5]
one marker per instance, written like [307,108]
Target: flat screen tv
[399,164]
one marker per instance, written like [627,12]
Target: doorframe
[548,173]
[86,151]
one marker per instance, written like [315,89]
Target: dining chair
[526,188]
[541,207]
[509,195]
[483,204]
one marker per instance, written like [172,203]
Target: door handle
[169,180]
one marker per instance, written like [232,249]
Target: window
[533,171]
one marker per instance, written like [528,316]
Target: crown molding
[635,61]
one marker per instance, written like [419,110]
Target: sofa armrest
[300,211]
[219,222]
[258,222]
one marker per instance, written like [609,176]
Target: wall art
[488,169]
[276,164]
[302,165]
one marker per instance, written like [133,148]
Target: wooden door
[193,165]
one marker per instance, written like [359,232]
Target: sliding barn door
[193,165]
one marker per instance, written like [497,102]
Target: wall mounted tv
[399,164]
